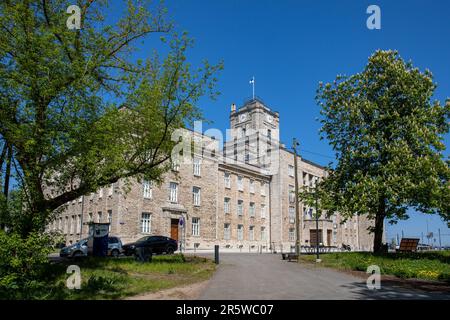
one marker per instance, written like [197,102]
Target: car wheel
[115,253]
[169,250]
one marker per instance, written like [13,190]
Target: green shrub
[101,283]
[23,264]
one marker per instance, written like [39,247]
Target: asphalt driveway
[248,276]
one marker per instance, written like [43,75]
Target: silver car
[80,249]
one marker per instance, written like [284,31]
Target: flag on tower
[252,82]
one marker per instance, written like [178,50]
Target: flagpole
[253,87]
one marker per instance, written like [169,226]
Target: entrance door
[174,229]
[329,237]
[313,237]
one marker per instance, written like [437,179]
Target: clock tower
[254,133]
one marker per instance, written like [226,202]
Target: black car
[158,245]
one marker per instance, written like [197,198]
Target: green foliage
[388,138]
[24,265]
[61,93]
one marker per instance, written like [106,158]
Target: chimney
[233,108]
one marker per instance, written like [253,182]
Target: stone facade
[241,198]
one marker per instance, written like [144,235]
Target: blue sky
[289,46]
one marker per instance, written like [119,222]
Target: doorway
[313,237]
[174,228]
[329,237]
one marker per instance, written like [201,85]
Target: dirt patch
[188,292]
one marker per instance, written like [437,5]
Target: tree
[78,110]
[388,139]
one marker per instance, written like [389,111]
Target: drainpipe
[270,214]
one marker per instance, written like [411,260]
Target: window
[291,234]
[240,182]
[263,234]
[147,188]
[110,219]
[72,224]
[240,207]
[90,217]
[226,205]
[60,224]
[196,196]
[291,214]
[66,225]
[252,186]
[291,170]
[175,165]
[197,167]
[226,231]
[80,199]
[146,222]
[251,233]
[240,232]
[79,223]
[263,211]
[263,188]
[111,190]
[269,134]
[291,194]
[99,217]
[252,209]
[173,195]
[100,193]
[196,226]
[227,180]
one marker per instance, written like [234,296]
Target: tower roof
[256,102]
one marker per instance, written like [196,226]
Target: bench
[289,256]
[408,245]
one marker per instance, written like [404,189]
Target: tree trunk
[378,238]
[379,226]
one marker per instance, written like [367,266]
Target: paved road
[265,276]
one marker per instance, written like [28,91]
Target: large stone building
[241,197]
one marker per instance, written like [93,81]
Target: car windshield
[82,242]
[143,239]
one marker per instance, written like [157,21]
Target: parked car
[80,249]
[114,246]
[158,245]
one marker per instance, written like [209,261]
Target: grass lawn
[421,265]
[109,278]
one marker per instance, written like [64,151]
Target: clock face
[243,117]
[269,118]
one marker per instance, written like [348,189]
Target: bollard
[216,254]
